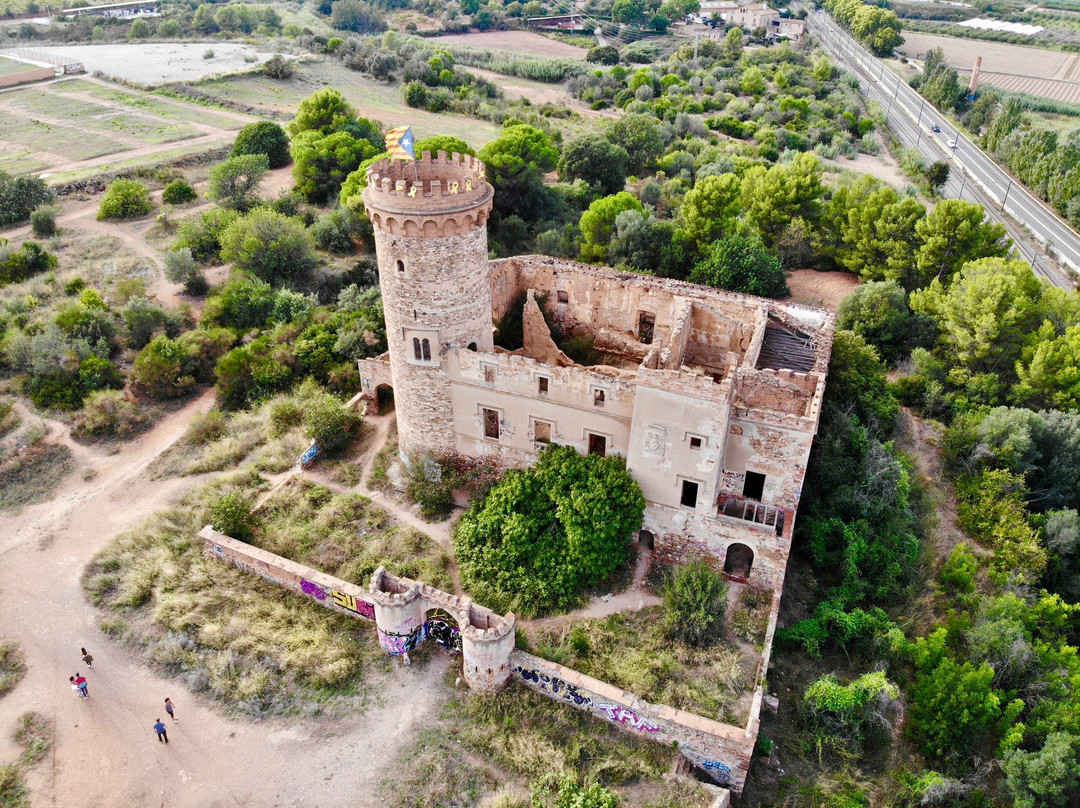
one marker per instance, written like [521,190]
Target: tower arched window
[400,267]
[416,348]
[427,350]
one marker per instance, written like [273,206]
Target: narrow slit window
[491,424]
[542,385]
[400,267]
[417,354]
[646,327]
[598,398]
[489,374]
[426,350]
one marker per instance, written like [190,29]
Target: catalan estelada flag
[399,142]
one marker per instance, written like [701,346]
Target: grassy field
[372,99]
[9,67]
[156,105]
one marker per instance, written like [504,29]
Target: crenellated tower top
[441,196]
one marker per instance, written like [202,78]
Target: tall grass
[12,668]
[550,69]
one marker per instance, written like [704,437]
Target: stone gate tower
[430,220]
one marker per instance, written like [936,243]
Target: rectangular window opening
[598,398]
[754,487]
[689,494]
[562,296]
[542,385]
[695,442]
[489,373]
[646,327]
[542,432]
[597,444]
[491,423]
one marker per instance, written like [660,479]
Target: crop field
[372,99]
[515,42]
[61,127]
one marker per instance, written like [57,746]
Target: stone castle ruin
[713,398]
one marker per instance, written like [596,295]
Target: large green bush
[264,137]
[544,533]
[694,604]
[739,263]
[125,199]
[273,247]
[19,196]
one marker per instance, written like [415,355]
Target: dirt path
[105,753]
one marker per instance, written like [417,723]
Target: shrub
[178,192]
[206,427]
[603,55]
[959,570]
[43,221]
[108,414]
[264,137]
[125,199]
[329,424]
[160,371]
[208,53]
[742,264]
[243,303]
[273,247]
[284,415]
[234,183]
[694,602]
[180,267]
[232,516]
[96,373]
[143,318]
[25,262]
[202,234]
[19,196]
[278,67]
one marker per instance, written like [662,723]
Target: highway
[974,177]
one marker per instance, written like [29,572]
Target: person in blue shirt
[162,735]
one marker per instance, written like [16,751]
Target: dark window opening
[491,424]
[542,432]
[416,349]
[472,347]
[401,267]
[598,398]
[695,443]
[646,539]
[689,494]
[597,444]
[427,350]
[542,385]
[645,327]
[754,487]
[738,561]
[489,374]
[562,296]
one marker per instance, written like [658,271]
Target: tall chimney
[974,85]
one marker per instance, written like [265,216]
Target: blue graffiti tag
[569,691]
[717,769]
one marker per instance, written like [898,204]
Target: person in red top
[84,689]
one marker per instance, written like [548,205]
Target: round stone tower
[430,220]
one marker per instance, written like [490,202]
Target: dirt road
[105,752]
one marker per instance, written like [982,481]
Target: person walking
[75,687]
[84,689]
[171,710]
[89,660]
[162,735]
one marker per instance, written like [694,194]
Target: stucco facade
[713,398]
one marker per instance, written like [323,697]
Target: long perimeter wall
[400,607]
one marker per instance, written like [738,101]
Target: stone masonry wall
[721,750]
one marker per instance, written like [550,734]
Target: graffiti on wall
[339,598]
[718,770]
[732,480]
[443,628]
[398,643]
[624,715]
[554,685]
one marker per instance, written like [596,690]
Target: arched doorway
[738,561]
[384,398]
[646,540]
[440,626]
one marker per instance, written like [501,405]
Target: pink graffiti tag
[622,715]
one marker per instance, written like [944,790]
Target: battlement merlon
[433,185]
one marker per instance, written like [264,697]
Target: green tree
[161,370]
[597,224]
[178,192]
[357,16]
[1047,776]
[593,158]
[603,55]
[954,233]
[446,143]
[1048,372]
[20,195]
[743,264]
[322,162]
[985,316]
[640,136]
[324,111]
[694,604]
[329,424]
[858,383]
[125,199]
[544,533]
[773,197]
[234,183]
[878,312]
[202,234]
[733,43]
[264,137]
[628,11]
[709,209]
[530,144]
[753,81]
[273,247]
[852,711]
[140,29]
[937,174]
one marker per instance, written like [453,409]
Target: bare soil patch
[997,56]
[879,165]
[158,63]
[825,290]
[517,41]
